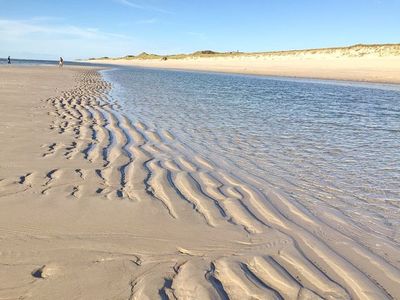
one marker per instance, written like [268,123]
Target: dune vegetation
[358,50]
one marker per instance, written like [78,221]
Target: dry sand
[95,207]
[368,63]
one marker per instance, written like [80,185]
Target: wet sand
[93,206]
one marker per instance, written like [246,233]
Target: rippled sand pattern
[246,243]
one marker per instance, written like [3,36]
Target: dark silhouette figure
[9,59]
[61,62]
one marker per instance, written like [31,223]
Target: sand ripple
[285,252]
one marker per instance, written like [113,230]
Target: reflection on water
[323,144]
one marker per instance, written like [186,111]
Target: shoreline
[86,197]
[371,69]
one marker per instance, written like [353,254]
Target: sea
[36,62]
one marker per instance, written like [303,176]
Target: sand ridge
[122,210]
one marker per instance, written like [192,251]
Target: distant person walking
[61,62]
[9,60]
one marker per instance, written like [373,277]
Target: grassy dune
[358,50]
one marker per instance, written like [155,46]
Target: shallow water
[332,144]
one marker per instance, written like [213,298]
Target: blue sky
[80,29]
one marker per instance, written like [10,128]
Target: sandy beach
[379,63]
[94,206]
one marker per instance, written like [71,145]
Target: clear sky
[87,28]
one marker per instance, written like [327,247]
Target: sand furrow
[136,173]
[205,205]
[237,283]
[192,283]
[275,276]
[161,187]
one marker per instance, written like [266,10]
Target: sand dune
[372,63]
[110,209]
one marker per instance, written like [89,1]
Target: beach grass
[357,50]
